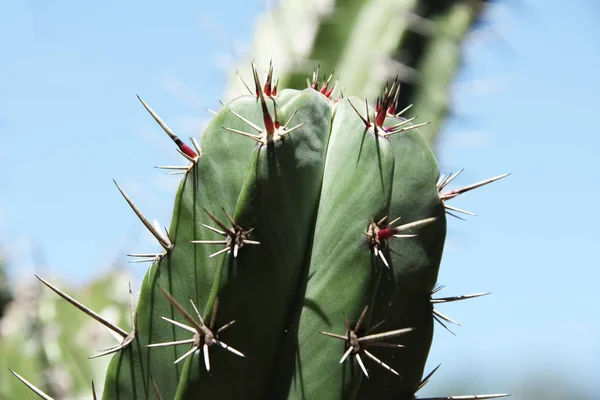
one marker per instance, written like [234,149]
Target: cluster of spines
[205,336]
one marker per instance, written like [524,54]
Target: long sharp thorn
[176,167]
[211,111]
[227,325]
[346,354]
[413,225]
[83,308]
[179,308]
[223,250]
[455,216]
[445,317]
[383,259]
[440,180]
[209,241]
[197,312]
[425,380]
[405,109]
[362,366]
[94,396]
[437,289]
[31,386]
[106,352]
[290,119]
[182,146]
[244,83]
[251,136]
[384,335]
[406,121]
[164,243]
[143,255]
[190,159]
[449,207]
[268,121]
[155,387]
[179,324]
[196,146]
[372,328]
[408,128]
[229,348]
[288,131]
[366,122]
[333,335]
[191,351]
[439,321]
[468,397]
[142,261]
[206,357]
[383,344]
[247,121]
[220,224]
[458,298]
[450,178]
[214,229]
[361,318]
[378,361]
[175,343]
[229,218]
[453,193]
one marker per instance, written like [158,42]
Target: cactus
[301,223]
[368,42]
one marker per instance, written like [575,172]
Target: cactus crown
[302,257]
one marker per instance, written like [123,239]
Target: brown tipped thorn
[268,89]
[204,336]
[425,380]
[127,337]
[378,233]
[187,150]
[235,237]
[366,121]
[404,129]
[164,241]
[438,316]
[31,386]
[457,192]
[386,102]
[356,345]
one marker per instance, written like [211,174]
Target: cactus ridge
[286,241]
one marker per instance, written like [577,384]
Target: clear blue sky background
[70,122]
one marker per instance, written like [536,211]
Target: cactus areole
[301,260]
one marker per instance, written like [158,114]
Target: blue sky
[525,103]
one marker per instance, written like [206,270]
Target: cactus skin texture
[307,220]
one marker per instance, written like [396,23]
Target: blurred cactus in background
[368,43]
[47,340]
[5,290]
